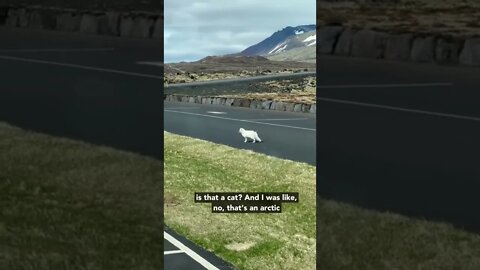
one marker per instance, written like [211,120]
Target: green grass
[353,238]
[349,237]
[277,241]
[71,205]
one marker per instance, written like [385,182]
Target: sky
[195,29]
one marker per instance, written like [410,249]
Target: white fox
[249,134]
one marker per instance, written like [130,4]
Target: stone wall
[246,103]
[139,24]
[343,41]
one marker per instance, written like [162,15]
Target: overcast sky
[197,28]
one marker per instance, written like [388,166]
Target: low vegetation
[72,205]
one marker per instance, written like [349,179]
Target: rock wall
[246,103]
[368,43]
[139,24]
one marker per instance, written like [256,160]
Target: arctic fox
[249,134]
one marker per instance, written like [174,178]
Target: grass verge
[349,237]
[353,238]
[71,205]
[249,241]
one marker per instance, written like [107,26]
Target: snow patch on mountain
[310,38]
[278,48]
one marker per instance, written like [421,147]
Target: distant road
[402,137]
[247,79]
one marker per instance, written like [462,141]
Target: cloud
[194,29]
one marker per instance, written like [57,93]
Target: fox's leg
[245,140]
[253,140]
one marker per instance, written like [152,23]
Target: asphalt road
[88,88]
[401,137]
[246,79]
[284,134]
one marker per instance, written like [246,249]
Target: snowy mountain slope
[286,39]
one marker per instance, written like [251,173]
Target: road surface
[402,137]
[286,135]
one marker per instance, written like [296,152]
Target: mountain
[284,40]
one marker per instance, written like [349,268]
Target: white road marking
[398,85]
[241,120]
[279,119]
[168,252]
[213,112]
[463,117]
[28,60]
[189,252]
[58,50]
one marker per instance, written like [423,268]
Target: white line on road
[168,252]
[189,252]
[279,119]
[463,117]
[58,50]
[28,60]
[398,85]
[213,112]
[241,120]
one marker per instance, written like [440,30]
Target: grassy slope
[70,205]
[353,238]
[280,241]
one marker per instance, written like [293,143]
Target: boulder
[23,17]
[245,103]
[297,107]
[266,104]
[158,29]
[237,102]
[12,18]
[253,104]
[368,43]
[306,107]
[398,47]
[289,107]
[89,24]
[229,101]
[273,106]
[344,43]
[113,22]
[447,51]
[126,26]
[423,49]
[102,22]
[141,27]
[470,54]
[280,106]
[327,38]
[68,22]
